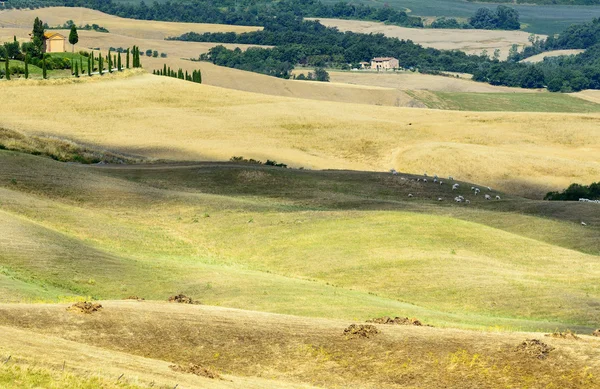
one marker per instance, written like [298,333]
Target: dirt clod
[85,307]
[182,299]
[360,331]
[535,348]
[134,298]
[403,321]
[197,370]
[563,335]
[596,333]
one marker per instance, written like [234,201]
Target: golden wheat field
[469,41]
[555,53]
[142,29]
[525,153]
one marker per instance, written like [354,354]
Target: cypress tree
[164,69]
[115,61]
[26,66]
[100,64]
[90,66]
[119,64]
[199,77]
[6,72]
[127,59]
[109,62]
[81,64]
[92,57]
[44,71]
[186,75]
[76,70]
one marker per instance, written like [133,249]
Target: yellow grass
[469,41]
[144,29]
[556,53]
[159,117]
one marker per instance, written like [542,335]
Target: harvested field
[469,41]
[143,29]
[549,54]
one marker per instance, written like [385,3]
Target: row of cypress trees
[195,76]
[114,62]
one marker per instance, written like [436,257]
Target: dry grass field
[469,41]
[524,153]
[549,54]
[417,81]
[141,29]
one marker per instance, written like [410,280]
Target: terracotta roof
[49,35]
[378,59]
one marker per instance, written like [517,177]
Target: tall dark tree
[92,62]
[38,36]
[119,64]
[89,65]
[127,59]
[44,70]
[73,39]
[76,70]
[100,64]
[6,71]
[109,62]
[26,66]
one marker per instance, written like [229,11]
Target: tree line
[503,18]
[257,12]
[575,192]
[195,76]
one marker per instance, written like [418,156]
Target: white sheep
[488,188]
[451,178]
[424,179]
[472,188]
[418,180]
[440,199]
[455,187]
[583,224]
[488,197]
[441,182]
[498,198]
[468,201]
[435,180]
[410,195]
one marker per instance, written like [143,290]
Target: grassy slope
[251,347]
[515,102]
[523,153]
[347,245]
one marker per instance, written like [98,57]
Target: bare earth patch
[535,348]
[355,331]
[183,299]
[403,321]
[85,307]
[196,370]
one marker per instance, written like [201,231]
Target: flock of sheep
[459,199]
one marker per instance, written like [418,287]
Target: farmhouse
[384,63]
[54,42]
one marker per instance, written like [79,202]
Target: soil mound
[85,307]
[182,299]
[563,335]
[596,333]
[134,298]
[403,321]
[197,370]
[535,348]
[360,331]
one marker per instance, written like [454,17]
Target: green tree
[26,66]
[6,71]
[73,39]
[89,65]
[109,62]
[321,75]
[92,62]
[119,65]
[100,64]
[164,69]
[127,59]
[76,70]
[44,70]
[38,36]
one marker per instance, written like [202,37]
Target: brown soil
[134,298]
[85,307]
[403,321]
[197,370]
[596,333]
[360,331]
[563,335]
[182,299]
[535,348]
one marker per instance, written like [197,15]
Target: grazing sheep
[488,197]
[472,188]
[498,198]
[440,199]
[468,201]
[424,179]
[488,188]
[458,199]
[441,182]
[455,187]
[435,180]
[410,195]
[451,178]
[583,224]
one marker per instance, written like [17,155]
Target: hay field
[549,54]
[469,41]
[143,29]
[524,153]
